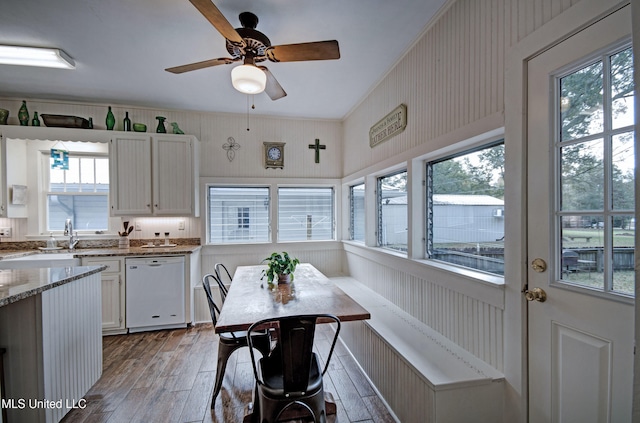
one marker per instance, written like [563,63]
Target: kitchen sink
[40,260]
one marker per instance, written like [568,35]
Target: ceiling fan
[251,46]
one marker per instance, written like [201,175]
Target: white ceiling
[121,48]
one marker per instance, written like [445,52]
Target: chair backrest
[213,308]
[219,275]
[295,336]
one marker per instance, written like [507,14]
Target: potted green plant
[280,266]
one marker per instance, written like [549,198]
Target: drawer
[113,265]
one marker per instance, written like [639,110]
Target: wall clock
[273,155]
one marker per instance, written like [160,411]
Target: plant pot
[283,279]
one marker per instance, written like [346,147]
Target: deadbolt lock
[539,265]
[535,294]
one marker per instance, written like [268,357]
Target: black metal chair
[291,374]
[223,289]
[231,341]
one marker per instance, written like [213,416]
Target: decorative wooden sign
[389,126]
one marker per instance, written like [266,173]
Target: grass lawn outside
[623,281]
[621,238]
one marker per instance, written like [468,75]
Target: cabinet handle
[148,206]
[156,206]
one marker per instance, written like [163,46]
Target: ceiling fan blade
[217,19]
[200,65]
[273,88]
[318,50]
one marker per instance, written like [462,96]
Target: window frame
[206,203]
[44,191]
[608,212]
[333,212]
[352,209]
[379,215]
[429,203]
[273,184]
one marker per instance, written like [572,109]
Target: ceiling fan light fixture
[35,56]
[248,79]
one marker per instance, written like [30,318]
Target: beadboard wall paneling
[149,226]
[71,367]
[297,134]
[326,257]
[451,77]
[18,227]
[404,389]
[213,131]
[188,121]
[469,317]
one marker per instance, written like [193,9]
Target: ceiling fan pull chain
[248,112]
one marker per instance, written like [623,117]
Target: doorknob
[539,265]
[536,294]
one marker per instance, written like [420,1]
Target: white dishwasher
[155,293]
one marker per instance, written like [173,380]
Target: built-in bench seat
[422,375]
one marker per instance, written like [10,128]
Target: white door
[580,152]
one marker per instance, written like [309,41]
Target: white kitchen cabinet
[13,175]
[113,293]
[154,175]
[150,174]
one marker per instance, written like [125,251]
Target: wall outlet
[5,232]
[181,225]
[138,226]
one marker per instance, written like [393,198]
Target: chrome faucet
[68,231]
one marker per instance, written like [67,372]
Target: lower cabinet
[113,293]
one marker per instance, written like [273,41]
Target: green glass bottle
[111,120]
[161,129]
[35,121]
[127,122]
[23,114]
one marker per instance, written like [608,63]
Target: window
[80,193]
[305,214]
[392,211]
[243,217]
[595,158]
[238,214]
[465,209]
[356,211]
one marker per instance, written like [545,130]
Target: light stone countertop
[107,252]
[18,284]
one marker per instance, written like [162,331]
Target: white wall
[213,131]
[454,84]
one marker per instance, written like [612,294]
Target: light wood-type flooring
[168,376]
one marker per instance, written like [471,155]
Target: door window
[595,158]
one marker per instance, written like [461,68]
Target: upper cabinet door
[173,178]
[154,175]
[130,168]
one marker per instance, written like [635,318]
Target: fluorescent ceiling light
[35,56]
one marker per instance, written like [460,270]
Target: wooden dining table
[250,298]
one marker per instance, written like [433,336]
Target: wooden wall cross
[317,146]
